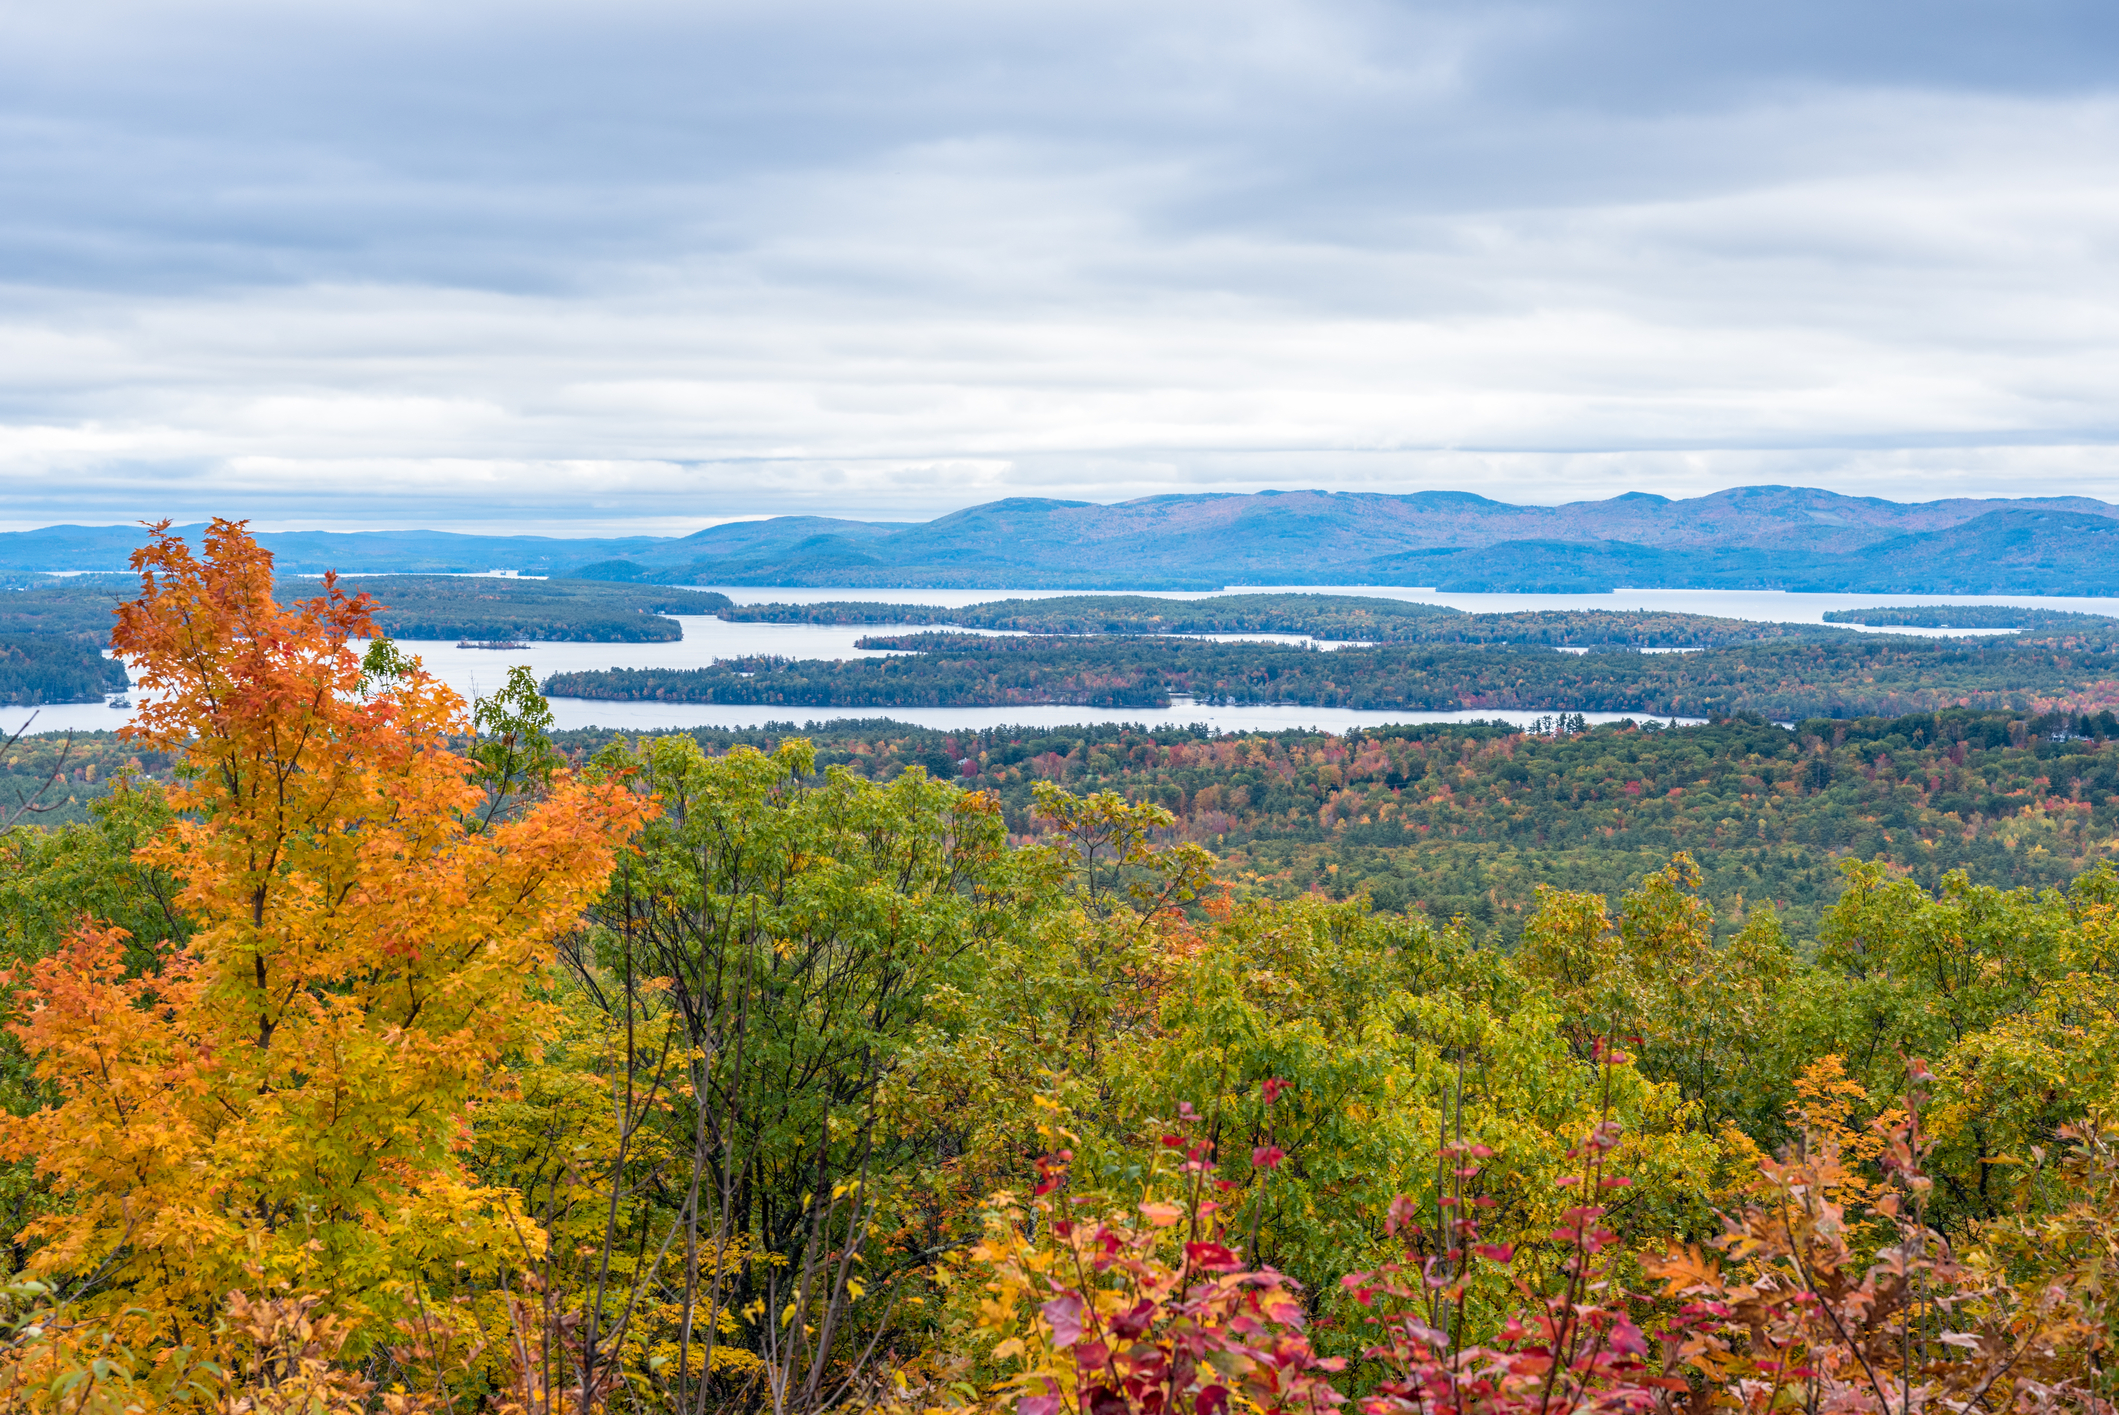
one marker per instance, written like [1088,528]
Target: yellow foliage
[288,1099]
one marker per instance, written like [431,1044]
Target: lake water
[1761,606]
[475,671]
[1764,606]
[663,717]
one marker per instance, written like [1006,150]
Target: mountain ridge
[1759,537]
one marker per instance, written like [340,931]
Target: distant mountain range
[1760,537]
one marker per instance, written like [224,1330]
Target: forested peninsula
[1343,618]
[496,608]
[1780,679]
[35,671]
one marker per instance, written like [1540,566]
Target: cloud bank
[583,266]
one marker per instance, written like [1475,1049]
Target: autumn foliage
[395,1062]
[1150,1311]
[287,1099]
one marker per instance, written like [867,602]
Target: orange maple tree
[287,1100]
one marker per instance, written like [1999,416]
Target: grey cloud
[527,146]
[817,256]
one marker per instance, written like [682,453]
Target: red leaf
[1213,1257]
[1130,1324]
[1064,1312]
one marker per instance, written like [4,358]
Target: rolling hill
[1765,537]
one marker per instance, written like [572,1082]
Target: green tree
[788,934]
[1705,1017]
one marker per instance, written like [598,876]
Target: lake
[475,671]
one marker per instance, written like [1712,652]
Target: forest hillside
[368,1049]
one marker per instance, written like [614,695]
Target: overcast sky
[579,266]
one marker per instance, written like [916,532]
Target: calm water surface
[1762,606]
[475,671]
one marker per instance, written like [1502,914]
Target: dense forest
[1783,680]
[1465,821]
[1332,617]
[1456,820]
[495,608]
[2039,623]
[75,608]
[51,641]
[35,671]
[370,1050]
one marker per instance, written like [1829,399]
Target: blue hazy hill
[1769,537]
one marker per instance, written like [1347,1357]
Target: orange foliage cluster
[286,1100]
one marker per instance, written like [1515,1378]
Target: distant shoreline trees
[35,671]
[1784,679]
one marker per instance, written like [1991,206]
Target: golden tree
[287,1099]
